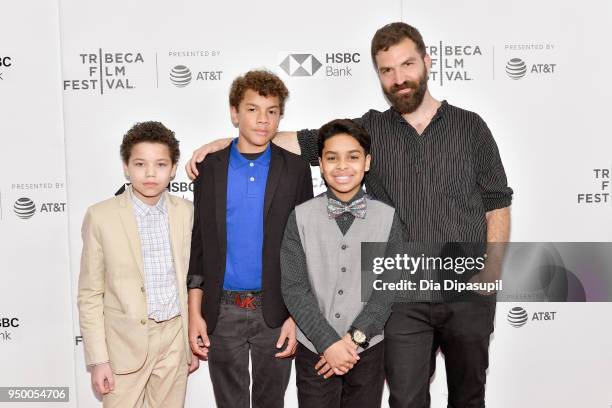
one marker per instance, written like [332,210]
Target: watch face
[359,336]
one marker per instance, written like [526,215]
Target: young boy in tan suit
[132,287]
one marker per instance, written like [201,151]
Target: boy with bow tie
[339,335]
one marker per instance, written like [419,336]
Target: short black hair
[152,132]
[344,126]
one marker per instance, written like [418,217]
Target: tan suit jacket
[112,297]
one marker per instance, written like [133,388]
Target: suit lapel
[277,168]
[220,194]
[128,220]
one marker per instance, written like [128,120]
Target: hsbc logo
[5,62]
[337,64]
[300,65]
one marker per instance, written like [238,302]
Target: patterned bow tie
[336,208]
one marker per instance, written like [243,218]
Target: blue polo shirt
[246,189]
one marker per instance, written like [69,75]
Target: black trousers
[412,336]
[361,387]
[237,332]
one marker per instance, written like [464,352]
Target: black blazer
[289,184]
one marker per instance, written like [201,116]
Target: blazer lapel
[220,186]
[128,220]
[277,168]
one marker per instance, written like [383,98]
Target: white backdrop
[81,73]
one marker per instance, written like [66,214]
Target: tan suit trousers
[162,380]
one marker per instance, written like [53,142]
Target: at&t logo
[516,69]
[180,76]
[24,208]
[518,317]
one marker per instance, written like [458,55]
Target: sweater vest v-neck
[334,260]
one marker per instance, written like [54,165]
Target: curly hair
[392,34]
[265,83]
[152,132]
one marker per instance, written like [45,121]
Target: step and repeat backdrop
[74,76]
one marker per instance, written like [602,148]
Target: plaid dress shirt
[160,276]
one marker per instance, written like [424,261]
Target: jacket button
[343,246]
[340,292]
[337,315]
[343,269]
[142,289]
[143,321]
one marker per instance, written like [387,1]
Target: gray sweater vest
[334,260]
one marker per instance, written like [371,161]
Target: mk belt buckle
[248,302]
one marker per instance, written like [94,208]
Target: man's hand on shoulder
[200,154]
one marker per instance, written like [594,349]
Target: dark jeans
[361,387]
[239,330]
[412,336]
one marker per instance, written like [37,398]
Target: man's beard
[410,102]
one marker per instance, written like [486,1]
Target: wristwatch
[359,338]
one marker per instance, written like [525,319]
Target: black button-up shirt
[441,182]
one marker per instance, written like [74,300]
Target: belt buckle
[248,302]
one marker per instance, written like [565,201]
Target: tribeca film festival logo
[336,64]
[600,192]
[198,70]
[539,62]
[6,324]
[5,62]
[105,71]
[455,62]
[518,317]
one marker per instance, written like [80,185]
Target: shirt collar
[439,113]
[357,196]
[237,160]
[143,209]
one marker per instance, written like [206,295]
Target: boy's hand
[102,378]
[198,337]
[287,332]
[195,363]
[347,338]
[341,357]
[199,154]
[323,368]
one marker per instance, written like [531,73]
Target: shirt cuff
[325,341]
[195,282]
[494,203]
[307,139]
[97,364]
